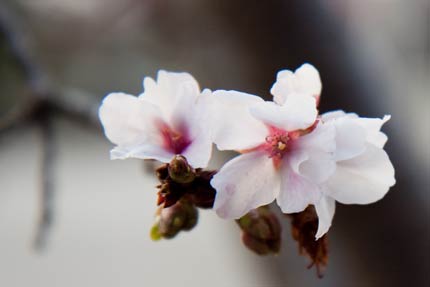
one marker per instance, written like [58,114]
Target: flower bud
[202,194]
[168,194]
[180,171]
[162,172]
[261,231]
[170,221]
[304,227]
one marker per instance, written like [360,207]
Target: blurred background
[58,58]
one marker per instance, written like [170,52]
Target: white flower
[364,172]
[287,153]
[169,118]
[304,81]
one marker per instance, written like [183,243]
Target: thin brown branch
[47,190]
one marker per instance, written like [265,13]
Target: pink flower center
[279,143]
[174,140]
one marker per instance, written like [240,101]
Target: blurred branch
[47,193]
[42,93]
[40,104]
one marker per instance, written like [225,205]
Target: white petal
[297,113]
[337,114]
[325,210]
[172,93]
[373,127]
[197,114]
[142,151]
[305,81]
[129,122]
[363,179]
[283,86]
[318,167]
[322,138]
[244,183]
[295,159]
[318,146]
[233,126]
[296,192]
[126,119]
[350,138]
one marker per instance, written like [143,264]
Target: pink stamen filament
[277,144]
[280,142]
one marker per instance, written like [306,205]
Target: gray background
[374,59]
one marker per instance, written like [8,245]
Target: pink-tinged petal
[318,146]
[325,209]
[244,183]
[185,114]
[296,192]
[363,179]
[233,127]
[309,163]
[297,113]
[199,152]
[304,81]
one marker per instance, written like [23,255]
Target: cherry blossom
[304,159]
[286,153]
[363,173]
[168,118]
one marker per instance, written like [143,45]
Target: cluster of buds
[181,190]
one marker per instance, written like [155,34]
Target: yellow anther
[281,145]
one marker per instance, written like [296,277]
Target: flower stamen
[277,144]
